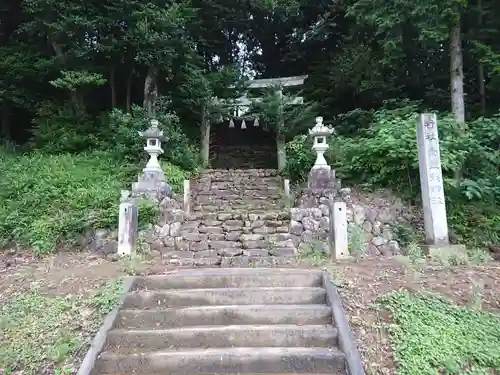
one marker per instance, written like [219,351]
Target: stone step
[227,244]
[246,215]
[237,239]
[235,178]
[200,232]
[227,296]
[264,373]
[224,315]
[250,171]
[224,360]
[235,261]
[235,198]
[213,207]
[136,340]
[243,278]
[243,187]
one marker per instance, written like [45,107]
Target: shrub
[119,135]
[48,200]
[299,157]
[60,131]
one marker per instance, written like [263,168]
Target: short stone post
[187,197]
[286,187]
[431,181]
[127,225]
[338,236]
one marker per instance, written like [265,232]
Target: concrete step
[223,361]
[227,296]
[221,337]
[224,315]
[233,278]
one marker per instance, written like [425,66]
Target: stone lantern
[152,181]
[320,132]
[153,136]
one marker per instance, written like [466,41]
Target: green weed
[39,332]
[432,336]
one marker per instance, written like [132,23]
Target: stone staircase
[243,156]
[239,218]
[223,321]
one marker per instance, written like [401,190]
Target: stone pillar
[338,236]
[286,187]
[187,197]
[431,181]
[127,225]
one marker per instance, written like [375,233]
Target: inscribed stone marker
[431,180]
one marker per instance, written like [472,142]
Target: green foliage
[432,336]
[60,131]
[40,330]
[73,80]
[279,113]
[121,137]
[49,200]
[300,157]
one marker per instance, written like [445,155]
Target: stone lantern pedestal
[321,176]
[151,182]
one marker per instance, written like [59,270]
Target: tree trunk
[128,99]
[480,68]
[482,91]
[150,90]
[205,138]
[112,86]
[457,84]
[4,120]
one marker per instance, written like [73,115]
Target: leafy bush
[385,154]
[51,199]
[60,131]
[121,138]
[300,157]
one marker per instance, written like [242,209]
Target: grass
[44,334]
[49,200]
[432,336]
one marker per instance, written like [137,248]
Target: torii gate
[242,104]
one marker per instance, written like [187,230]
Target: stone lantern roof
[320,129]
[153,131]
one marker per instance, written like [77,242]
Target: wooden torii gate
[242,104]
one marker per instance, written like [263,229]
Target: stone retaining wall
[371,220]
